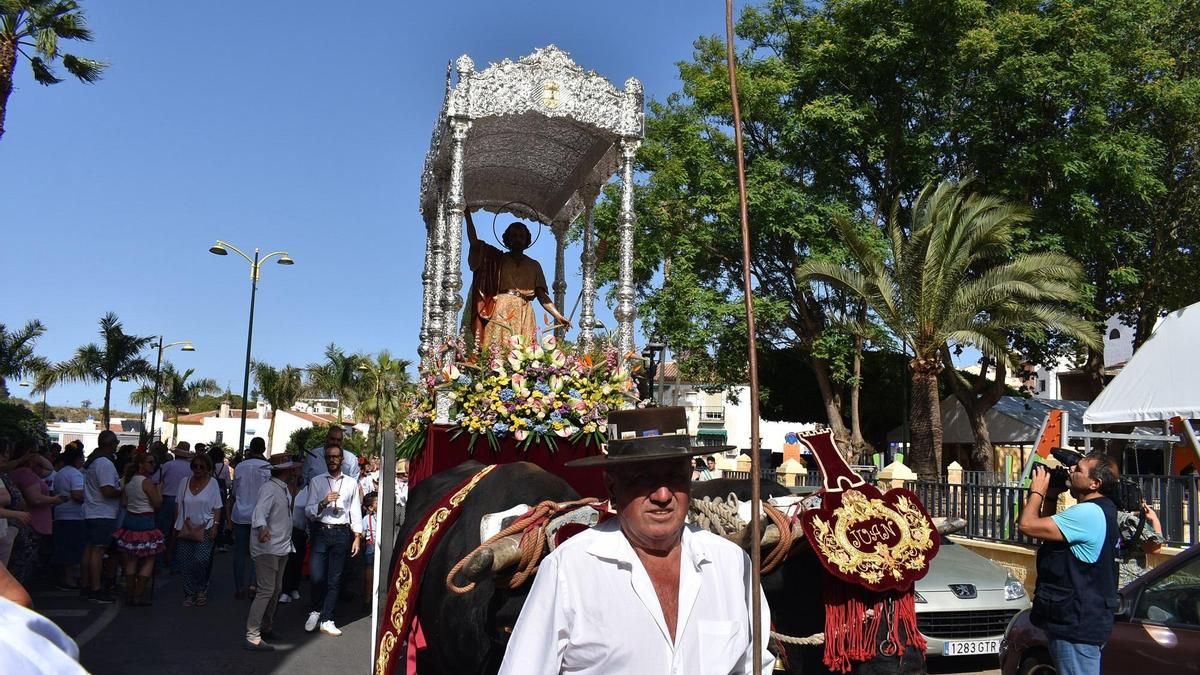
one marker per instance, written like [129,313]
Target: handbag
[190,532]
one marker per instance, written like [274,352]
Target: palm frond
[86,70]
[42,73]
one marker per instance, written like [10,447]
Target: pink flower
[520,434]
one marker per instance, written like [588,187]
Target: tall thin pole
[755,491]
[154,402]
[249,341]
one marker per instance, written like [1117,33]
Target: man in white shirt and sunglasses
[334,512]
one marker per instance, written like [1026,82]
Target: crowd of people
[105,523]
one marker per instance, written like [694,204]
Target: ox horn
[493,558]
[949,525]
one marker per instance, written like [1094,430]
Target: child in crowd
[370,529]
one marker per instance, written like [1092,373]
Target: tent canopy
[1161,381]
[1014,420]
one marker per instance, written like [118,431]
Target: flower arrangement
[534,391]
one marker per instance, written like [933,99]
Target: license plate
[970,647]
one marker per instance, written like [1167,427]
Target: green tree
[37,26]
[280,386]
[338,377]
[390,390]
[17,359]
[118,355]
[178,391]
[20,421]
[306,438]
[951,281]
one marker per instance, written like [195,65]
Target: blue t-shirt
[1084,528]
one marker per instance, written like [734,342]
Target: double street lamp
[184,345]
[223,248]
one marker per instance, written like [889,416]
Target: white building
[721,415]
[1064,380]
[224,425]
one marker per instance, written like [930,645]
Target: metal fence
[991,511]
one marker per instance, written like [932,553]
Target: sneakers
[311,623]
[295,595]
[284,598]
[188,601]
[328,628]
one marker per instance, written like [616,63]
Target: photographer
[1076,592]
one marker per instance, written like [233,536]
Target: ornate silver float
[537,138]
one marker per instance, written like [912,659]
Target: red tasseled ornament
[852,635]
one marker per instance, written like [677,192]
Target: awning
[1159,382]
[717,433]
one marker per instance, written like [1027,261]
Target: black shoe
[102,598]
[260,647]
[269,635]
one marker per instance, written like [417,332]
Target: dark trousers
[241,556]
[330,550]
[295,563]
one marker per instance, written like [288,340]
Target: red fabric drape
[443,452]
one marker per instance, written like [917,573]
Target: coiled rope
[720,516]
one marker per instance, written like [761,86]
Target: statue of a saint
[503,286]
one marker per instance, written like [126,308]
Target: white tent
[1161,381]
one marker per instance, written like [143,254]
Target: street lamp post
[27,383]
[221,248]
[185,345]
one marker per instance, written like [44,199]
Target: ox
[466,633]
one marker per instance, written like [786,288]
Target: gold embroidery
[403,588]
[386,644]
[890,541]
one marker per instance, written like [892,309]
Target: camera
[1060,475]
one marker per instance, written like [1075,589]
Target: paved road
[170,639]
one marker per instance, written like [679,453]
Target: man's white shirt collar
[619,551]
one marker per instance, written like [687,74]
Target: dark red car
[1157,628]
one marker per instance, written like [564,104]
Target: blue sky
[282,125]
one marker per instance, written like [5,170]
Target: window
[220,436]
[1114,334]
[1042,386]
[1173,599]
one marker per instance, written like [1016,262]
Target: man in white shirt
[314,459]
[335,513]
[676,598]
[101,500]
[248,477]
[270,544]
[401,490]
[170,475]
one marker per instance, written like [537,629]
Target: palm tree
[17,359]
[338,377]
[178,390]
[952,280]
[281,387]
[389,384]
[119,355]
[38,25]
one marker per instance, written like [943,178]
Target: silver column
[587,259]
[452,300]
[560,283]
[626,312]
[424,350]
[436,264]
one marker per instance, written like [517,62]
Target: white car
[965,602]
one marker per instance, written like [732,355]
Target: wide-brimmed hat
[183,450]
[646,435]
[283,463]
